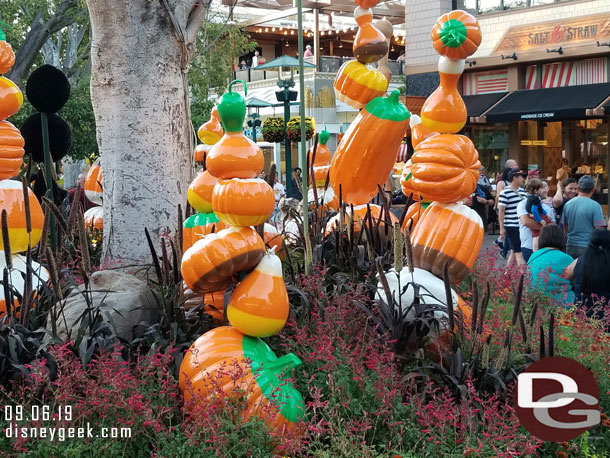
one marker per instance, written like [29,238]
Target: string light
[273,29]
[285,32]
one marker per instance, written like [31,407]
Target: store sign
[526,143]
[580,30]
[535,116]
[539,143]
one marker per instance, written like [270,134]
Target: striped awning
[403,153]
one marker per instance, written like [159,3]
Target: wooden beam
[272,17]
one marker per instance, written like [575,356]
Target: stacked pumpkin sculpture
[21,233]
[94,217]
[258,306]
[442,173]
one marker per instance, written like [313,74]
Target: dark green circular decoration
[453,33]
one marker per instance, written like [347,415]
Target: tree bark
[139,57]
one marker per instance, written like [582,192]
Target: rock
[123,300]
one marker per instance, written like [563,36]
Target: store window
[541,147]
[492,144]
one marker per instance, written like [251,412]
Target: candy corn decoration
[211,132]
[259,304]
[12,200]
[200,191]
[370,44]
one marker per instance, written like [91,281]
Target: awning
[560,103]
[476,105]
[607,109]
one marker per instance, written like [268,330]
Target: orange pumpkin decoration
[211,263]
[198,226]
[40,276]
[444,110]
[406,181]
[370,44]
[447,233]
[94,218]
[445,168]
[235,156]
[243,202]
[322,152]
[211,132]
[200,191]
[363,161]
[419,132]
[93,183]
[200,153]
[360,212]
[273,239]
[414,212]
[259,305]
[356,84]
[320,173]
[225,361]
[366,3]
[456,35]
[327,200]
[11,150]
[7,57]
[11,98]
[11,200]
[214,305]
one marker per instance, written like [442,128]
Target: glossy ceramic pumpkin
[456,35]
[214,304]
[366,3]
[94,218]
[93,183]
[211,263]
[356,84]
[359,217]
[7,57]
[273,239]
[200,191]
[419,132]
[444,110]
[320,173]
[327,200]
[432,293]
[240,202]
[235,156]
[370,44]
[211,132]
[197,226]
[406,182]
[11,98]
[259,304]
[200,153]
[412,216]
[445,168]
[11,150]
[322,152]
[447,233]
[224,360]
[11,200]
[40,275]
[365,157]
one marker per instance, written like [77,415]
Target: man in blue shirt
[581,215]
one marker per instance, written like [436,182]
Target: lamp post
[286,95]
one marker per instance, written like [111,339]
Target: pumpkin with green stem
[226,362]
[11,98]
[456,35]
[235,155]
[11,150]
[7,56]
[197,226]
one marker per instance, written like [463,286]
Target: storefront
[550,101]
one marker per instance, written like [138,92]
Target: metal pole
[48,177]
[288,154]
[305,181]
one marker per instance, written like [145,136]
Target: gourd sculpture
[225,361]
[412,216]
[359,216]
[370,44]
[94,218]
[273,239]
[12,200]
[455,35]
[197,226]
[199,193]
[385,27]
[243,202]
[7,56]
[259,305]
[419,132]
[93,183]
[447,233]
[365,157]
[321,161]
[211,132]
[17,275]
[406,182]
[356,84]
[11,97]
[11,150]
[445,168]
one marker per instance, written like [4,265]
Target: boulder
[123,300]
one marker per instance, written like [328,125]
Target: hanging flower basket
[293,128]
[273,129]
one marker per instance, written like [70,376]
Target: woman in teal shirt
[547,266]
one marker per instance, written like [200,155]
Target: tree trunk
[144,134]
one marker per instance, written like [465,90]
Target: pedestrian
[278,190]
[592,274]
[508,200]
[581,215]
[549,267]
[255,60]
[566,190]
[563,173]
[295,190]
[501,183]
[482,199]
[308,52]
[528,225]
[533,206]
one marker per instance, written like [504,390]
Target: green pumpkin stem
[453,33]
[283,363]
[239,81]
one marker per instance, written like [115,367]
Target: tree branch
[195,19]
